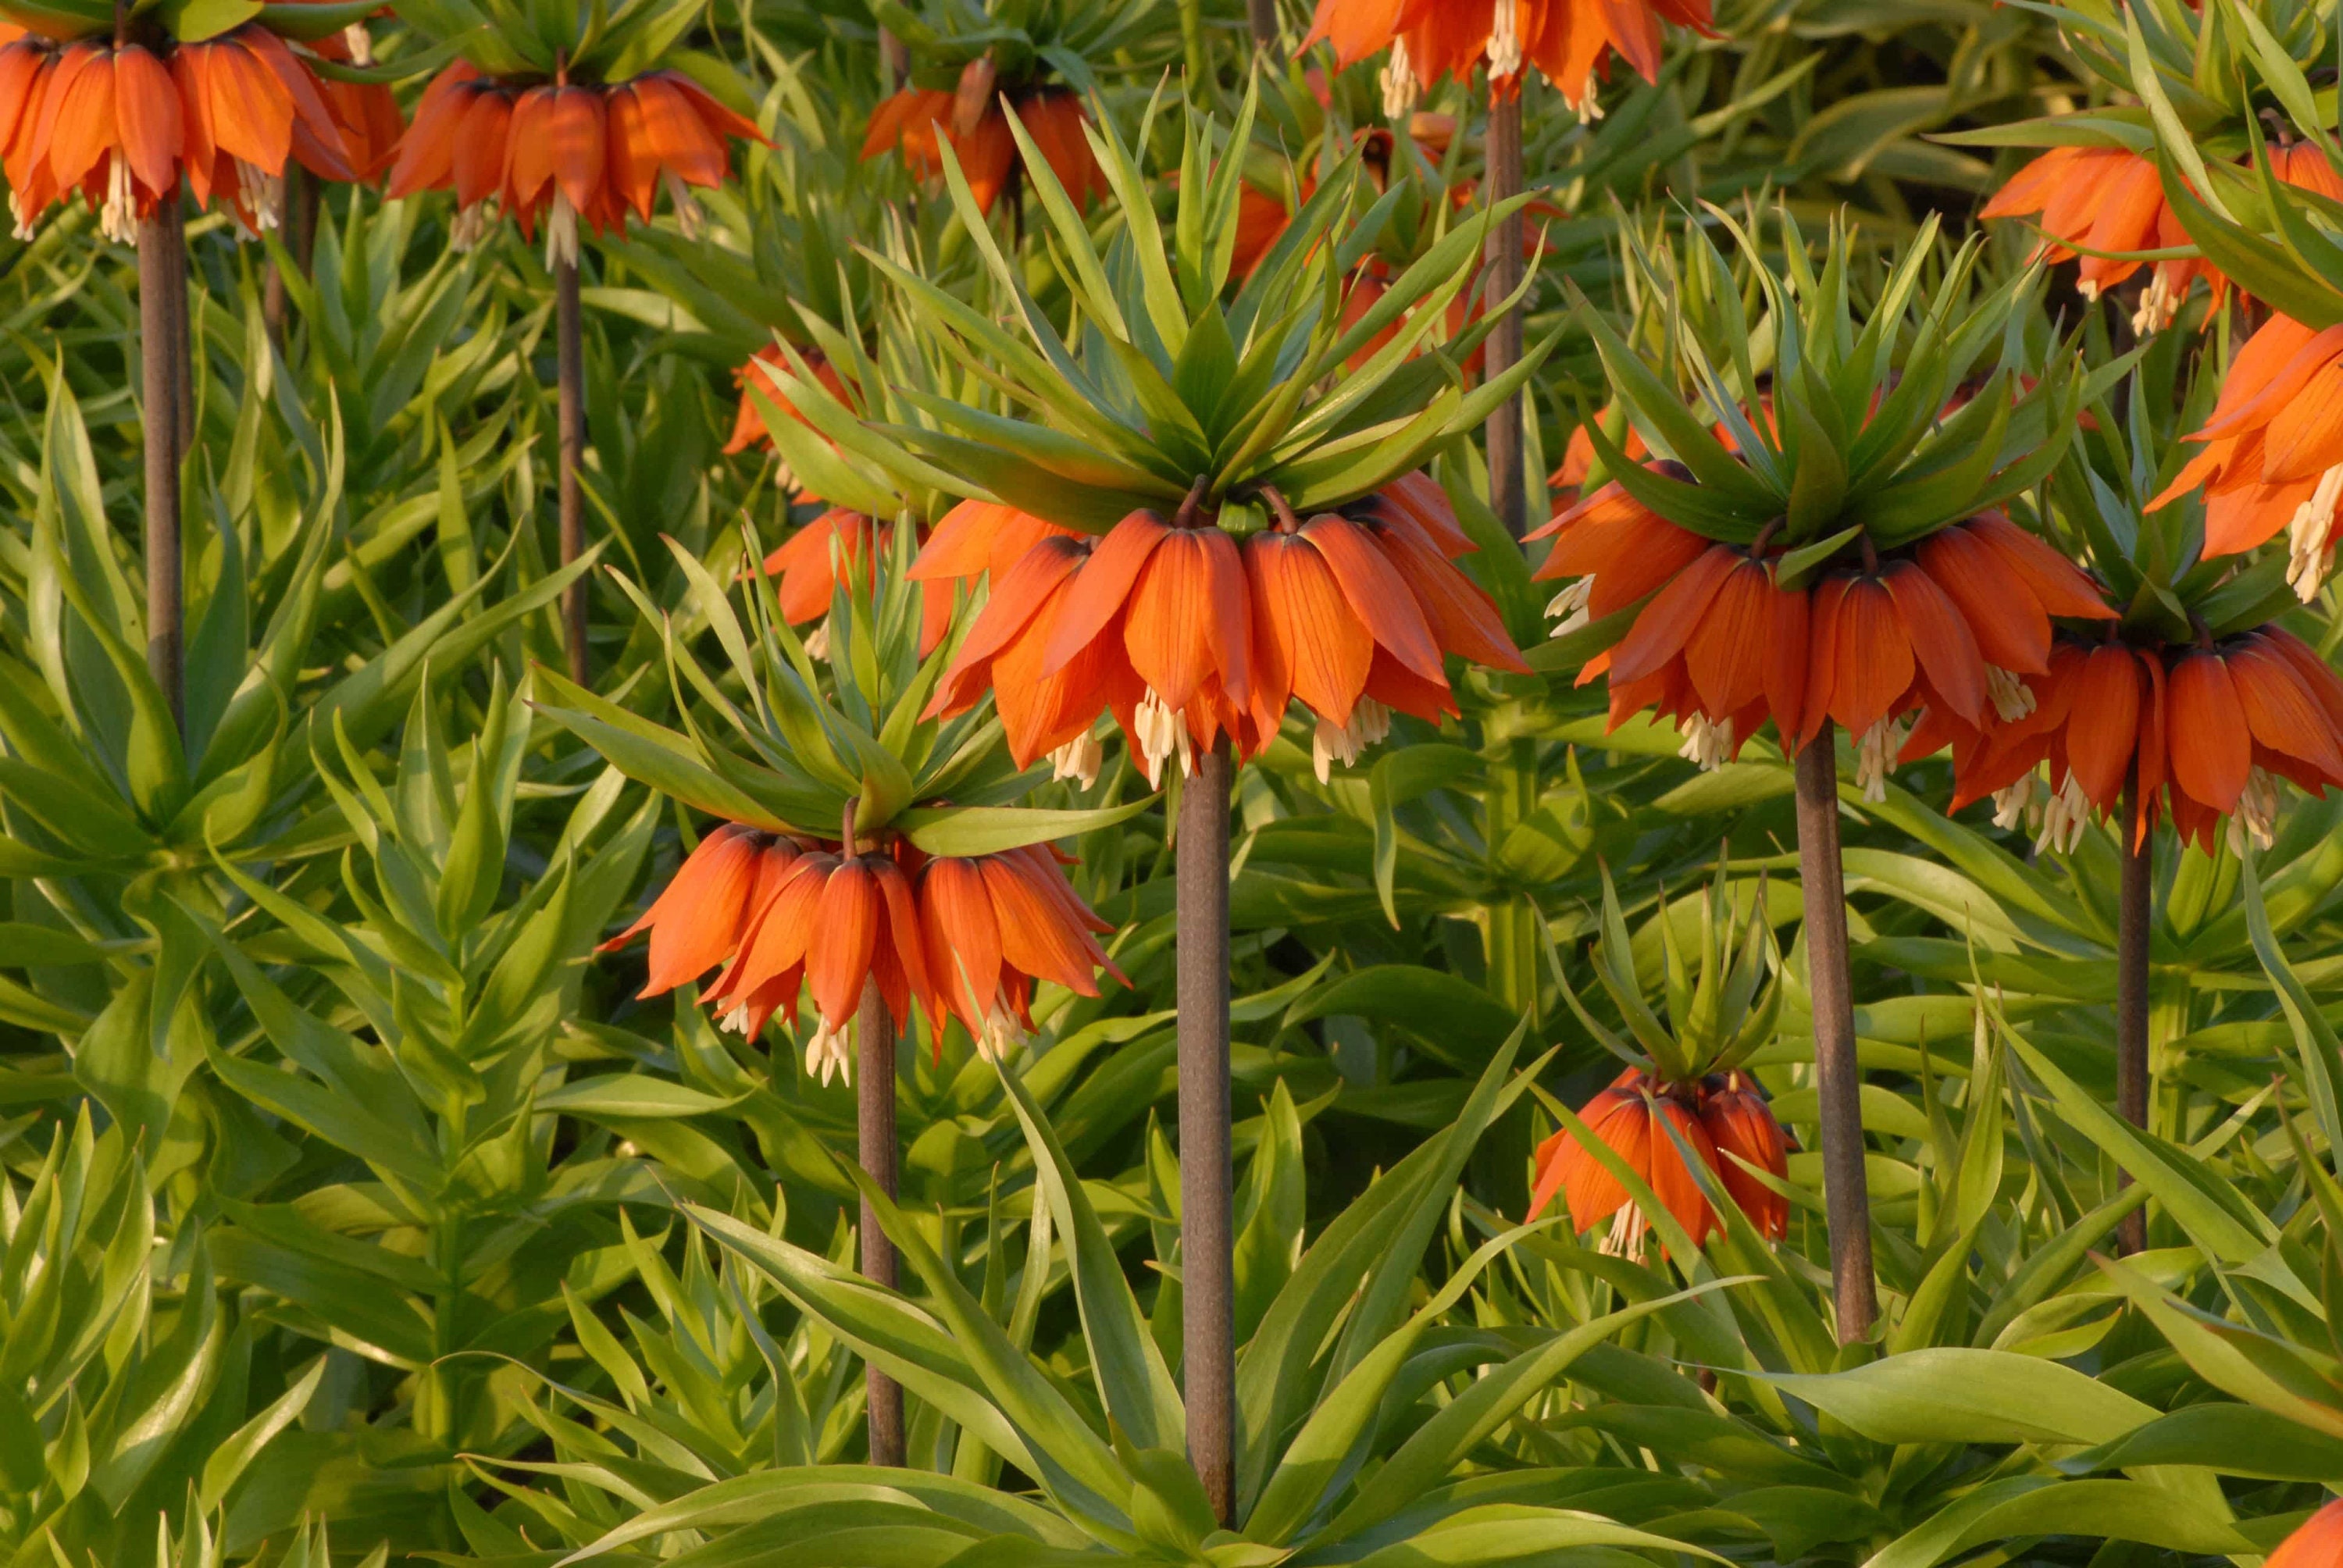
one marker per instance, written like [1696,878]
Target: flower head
[2273,454]
[2205,731]
[1724,645]
[1186,635]
[123,123]
[918,121]
[1570,41]
[1650,1125]
[564,153]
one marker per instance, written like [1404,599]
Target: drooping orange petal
[1036,935]
[2211,748]
[2056,582]
[962,938]
[1307,642]
[1667,623]
[147,112]
[2154,756]
[2306,438]
[1941,640]
[83,130]
[846,931]
[2283,713]
[1673,1180]
[1726,656]
[2103,726]
[1784,676]
[1872,657]
[1188,621]
[479,159]
[1103,586]
[426,153]
[1462,617]
[2318,1542]
[252,110]
[579,132]
[1015,599]
[2011,628]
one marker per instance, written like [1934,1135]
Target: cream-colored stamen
[2015,803]
[2255,821]
[1590,101]
[1707,742]
[263,194]
[1331,742]
[471,224]
[1571,604]
[1081,757]
[827,1053]
[1399,81]
[1003,1035]
[21,219]
[816,641]
[561,233]
[1506,39]
[359,42]
[1875,754]
[119,219]
[2311,534]
[1163,734]
[1626,1236]
[2064,817]
[2159,303]
[2012,697]
[687,216]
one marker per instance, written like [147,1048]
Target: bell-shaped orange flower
[2318,1543]
[830,922]
[1733,1110]
[1185,637]
[367,112]
[1570,41]
[2206,731]
[758,375]
[806,569]
[995,925]
[917,121]
[122,125]
[698,921]
[1722,646]
[565,153]
[2093,201]
[1633,1120]
[2273,457]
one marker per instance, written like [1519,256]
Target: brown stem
[1502,270]
[2134,911]
[296,221]
[162,337]
[570,345]
[1263,16]
[1838,1077]
[1192,503]
[1286,517]
[874,1132]
[896,56]
[1207,1274]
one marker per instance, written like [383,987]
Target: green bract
[1859,445]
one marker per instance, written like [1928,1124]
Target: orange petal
[1667,623]
[963,940]
[1103,586]
[1307,641]
[479,159]
[2211,748]
[1463,618]
[2283,713]
[1188,620]
[1940,638]
[845,933]
[1725,654]
[2305,438]
[2103,728]
[580,134]
[1872,656]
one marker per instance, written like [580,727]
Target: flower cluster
[918,121]
[124,123]
[1569,41]
[1188,634]
[1947,626]
[564,153]
[967,938]
[1721,1120]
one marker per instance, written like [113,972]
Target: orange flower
[914,120]
[122,125]
[2318,1544]
[993,926]
[1733,1110]
[749,421]
[833,921]
[2274,450]
[1722,647]
[2093,201]
[2206,730]
[565,151]
[367,112]
[1185,636]
[809,578]
[698,921]
[1568,40]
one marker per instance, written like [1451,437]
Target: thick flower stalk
[1187,635]
[2273,451]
